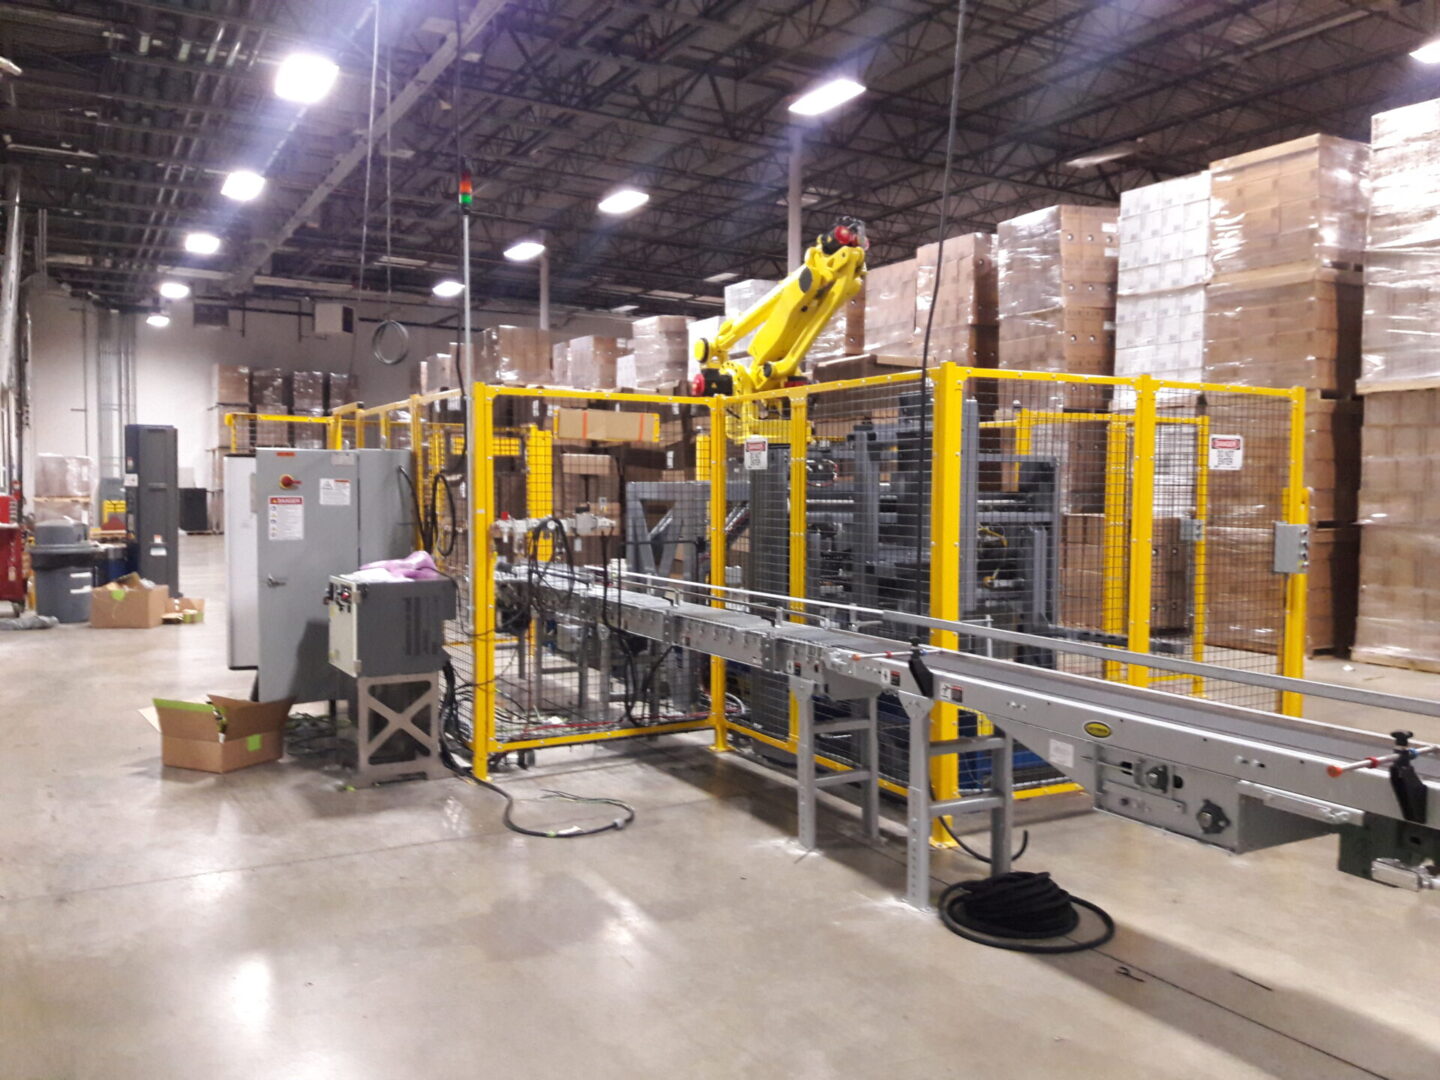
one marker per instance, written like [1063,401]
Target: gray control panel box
[382,628]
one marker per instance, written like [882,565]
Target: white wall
[174,365]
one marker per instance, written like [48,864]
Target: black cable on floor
[945,824]
[1022,912]
[627,812]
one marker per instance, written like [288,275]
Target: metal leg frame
[809,781]
[922,809]
[376,722]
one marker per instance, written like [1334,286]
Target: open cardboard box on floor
[128,603]
[222,735]
[186,609]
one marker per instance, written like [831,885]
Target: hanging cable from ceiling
[390,343]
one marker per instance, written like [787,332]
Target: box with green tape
[222,735]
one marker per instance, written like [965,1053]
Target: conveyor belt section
[1233,777]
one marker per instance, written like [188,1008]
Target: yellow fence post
[1113,568]
[1142,527]
[945,506]
[713,457]
[798,436]
[1297,512]
[482,578]
[1200,557]
[540,483]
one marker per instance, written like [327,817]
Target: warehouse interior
[719,538]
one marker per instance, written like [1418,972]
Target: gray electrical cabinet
[382,628]
[319,513]
[152,503]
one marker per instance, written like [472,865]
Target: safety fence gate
[1143,514]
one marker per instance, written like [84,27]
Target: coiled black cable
[1020,911]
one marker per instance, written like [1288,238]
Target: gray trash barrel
[63,561]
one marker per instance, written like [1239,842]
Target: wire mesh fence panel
[592,498]
[1240,458]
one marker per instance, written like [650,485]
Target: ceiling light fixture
[157,319]
[623,201]
[202,243]
[305,78]
[242,185]
[1103,157]
[825,97]
[524,251]
[448,289]
[723,276]
[625,309]
[1429,53]
[174,290]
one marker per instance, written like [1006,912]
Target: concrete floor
[157,923]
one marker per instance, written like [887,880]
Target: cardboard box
[587,464]
[1062,256]
[232,384]
[307,391]
[221,736]
[515,355]
[605,425]
[888,299]
[341,388]
[127,603]
[270,390]
[1399,617]
[1282,328]
[661,354]
[1400,459]
[969,293]
[1252,495]
[59,475]
[1245,597]
[1303,202]
[590,362]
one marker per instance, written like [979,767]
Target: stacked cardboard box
[307,395]
[560,363]
[516,355]
[340,389]
[1283,308]
[1287,240]
[1402,257]
[1399,620]
[1058,270]
[661,344]
[1087,571]
[889,310]
[270,390]
[1164,264]
[591,362]
[966,306]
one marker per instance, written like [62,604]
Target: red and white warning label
[1227,452]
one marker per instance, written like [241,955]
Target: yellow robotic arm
[787,319]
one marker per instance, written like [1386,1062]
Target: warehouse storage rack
[1134,512]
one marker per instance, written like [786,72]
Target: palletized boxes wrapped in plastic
[307,391]
[1164,263]
[1399,620]
[968,299]
[270,388]
[1402,259]
[560,363]
[889,306]
[1285,326]
[340,389]
[661,346]
[232,384]
[58,475]
[308,436]
[1303,201]
[1057,295]
[518,355]
[591,362]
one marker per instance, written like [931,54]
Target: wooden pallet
[1362,655]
